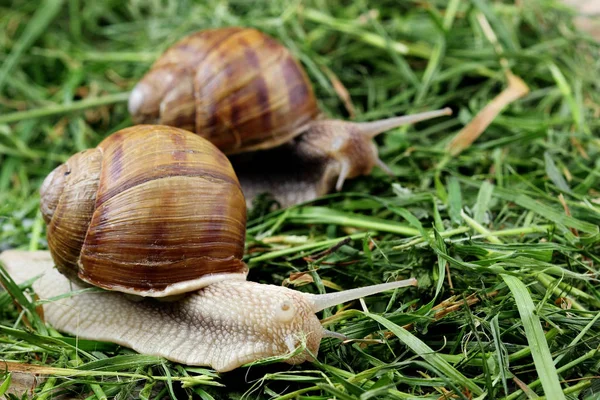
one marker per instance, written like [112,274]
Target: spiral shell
[153,211]
[237,87]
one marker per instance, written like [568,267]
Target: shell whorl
[68,197]
[153,210]
[237,87]
[51,190]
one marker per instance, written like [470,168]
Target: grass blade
[6,384]
[428,354]
[61,109]
[554,174]
[36,26]
[323,215]
[314,246]
[546,211]
[536,339]
[483,198]
[454,200]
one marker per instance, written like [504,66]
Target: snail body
[245,92]
[162,213]
[217,325]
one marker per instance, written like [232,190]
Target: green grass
[508,302]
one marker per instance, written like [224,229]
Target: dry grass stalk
[463,139]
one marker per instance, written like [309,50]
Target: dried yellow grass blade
[341,91]
[463,139]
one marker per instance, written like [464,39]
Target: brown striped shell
[237,87]
[153,210]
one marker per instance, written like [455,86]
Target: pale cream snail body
[152,212]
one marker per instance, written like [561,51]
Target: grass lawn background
[502,233]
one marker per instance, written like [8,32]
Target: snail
[156,213]
[246,93]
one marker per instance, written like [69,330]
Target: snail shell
[237,87]
[153,211]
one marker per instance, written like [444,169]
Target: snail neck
[344,150]
[257,321]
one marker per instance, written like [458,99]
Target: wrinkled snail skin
[245,92]
[223,325]
[220,325]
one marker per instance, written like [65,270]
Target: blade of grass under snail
[67,91]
